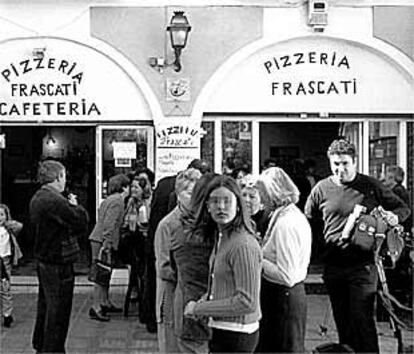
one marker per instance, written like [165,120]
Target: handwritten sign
[178,143]
[178,135]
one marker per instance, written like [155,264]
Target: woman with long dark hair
[232,299]
[191,255]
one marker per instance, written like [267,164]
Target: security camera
[318,14]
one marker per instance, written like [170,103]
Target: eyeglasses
[220,200]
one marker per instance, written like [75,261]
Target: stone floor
[128,335]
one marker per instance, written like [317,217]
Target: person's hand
[189,309]
[107,245]
[203,298]
[72,199]
[337,240]
[13,225]
[390,217]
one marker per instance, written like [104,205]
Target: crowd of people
[218,262]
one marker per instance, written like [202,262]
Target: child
[9,254]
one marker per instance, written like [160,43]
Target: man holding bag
[350,274]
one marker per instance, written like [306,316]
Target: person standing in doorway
[394,177]
[55,221]
[399,278]
[350,274]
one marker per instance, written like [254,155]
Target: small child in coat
[9,255]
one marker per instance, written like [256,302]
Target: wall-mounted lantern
[178,29]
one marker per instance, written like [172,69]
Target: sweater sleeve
[311,209]
[109,220]
[162,247]
[245,262]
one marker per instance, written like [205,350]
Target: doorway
[26,146]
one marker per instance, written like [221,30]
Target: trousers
[233,342]
[283,325]
[352,293]
[54,305]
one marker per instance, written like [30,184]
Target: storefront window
[123,151]
[383,152]
[237,146]
[207,143]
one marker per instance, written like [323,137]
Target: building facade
[93,84]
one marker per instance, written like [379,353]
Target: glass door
[384,147]
[122,149]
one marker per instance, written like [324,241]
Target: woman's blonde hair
[277,187]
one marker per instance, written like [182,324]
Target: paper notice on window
[123,163]
[125,150]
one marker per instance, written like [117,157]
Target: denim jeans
[233,342]
[54,305]
[352,293]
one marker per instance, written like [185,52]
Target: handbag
[101,269]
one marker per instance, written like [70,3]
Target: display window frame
[100,153]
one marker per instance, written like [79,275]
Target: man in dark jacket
[55,221]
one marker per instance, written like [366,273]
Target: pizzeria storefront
[263,85]
[60,99]
[279,101]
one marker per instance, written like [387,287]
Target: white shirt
[286,254]
[5,244]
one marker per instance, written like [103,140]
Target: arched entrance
[60,99]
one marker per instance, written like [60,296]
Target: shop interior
[25,147]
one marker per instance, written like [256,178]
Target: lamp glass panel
[178,37]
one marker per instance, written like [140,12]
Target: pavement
[127,334]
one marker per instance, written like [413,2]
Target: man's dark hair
[398,173]
[342,147]
[117,183]
[49,171]
[202,165]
